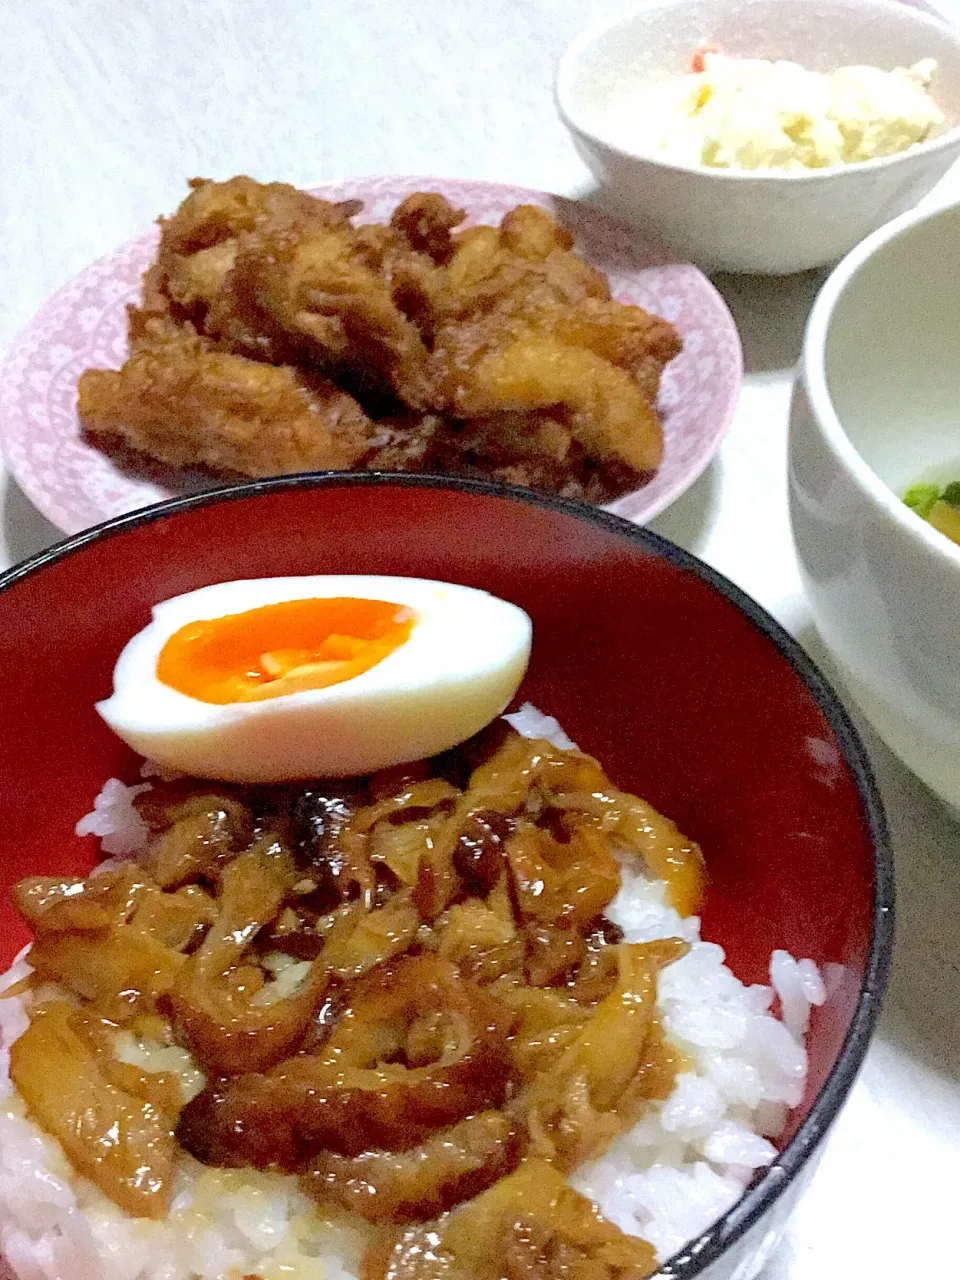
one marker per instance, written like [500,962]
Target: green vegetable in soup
[939,508]
[921,497]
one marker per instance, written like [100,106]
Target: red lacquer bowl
[684,688]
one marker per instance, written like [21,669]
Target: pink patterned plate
[84,325]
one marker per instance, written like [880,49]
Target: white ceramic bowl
[877,407]
[756,221]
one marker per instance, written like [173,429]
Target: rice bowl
[650,739]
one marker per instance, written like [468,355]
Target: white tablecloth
[108,105]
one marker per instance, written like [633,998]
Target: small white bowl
[757,221]
[876,408]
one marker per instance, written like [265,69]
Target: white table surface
[106,106]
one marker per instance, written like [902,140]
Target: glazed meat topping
[402,989]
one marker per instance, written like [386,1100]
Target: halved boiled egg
[275,679]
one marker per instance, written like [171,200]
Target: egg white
[458,670]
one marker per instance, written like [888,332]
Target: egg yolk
[282,648]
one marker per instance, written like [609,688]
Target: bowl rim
[568,109]
[813,374]
[698,1255]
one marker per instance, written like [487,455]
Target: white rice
[531,723]
[682,1166]
[690,1158]
[115,820]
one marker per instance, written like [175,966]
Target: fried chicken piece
[218,211]
[628,337]
[519,325]
[325,291]
[426,219]
[492,368]
[414,250]
[531,450]
[189,279]
[198,244]
[523,266]
[581,478]
[186,404]
[408,442]
[155,300]
[272,273]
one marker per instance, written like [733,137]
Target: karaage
[181,401]
[276,336]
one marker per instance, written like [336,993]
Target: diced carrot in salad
[698,63]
